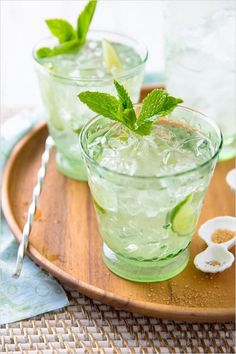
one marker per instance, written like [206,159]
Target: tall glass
[200,60]
[65,113]
[147,223]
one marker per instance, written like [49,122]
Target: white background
[22,25]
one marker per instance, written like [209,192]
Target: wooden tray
[66,242]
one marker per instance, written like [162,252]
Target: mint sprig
[69,38]
[156,104]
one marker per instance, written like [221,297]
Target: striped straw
[33,206]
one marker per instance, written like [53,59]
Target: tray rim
[171,312]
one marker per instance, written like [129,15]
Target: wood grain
[66,242]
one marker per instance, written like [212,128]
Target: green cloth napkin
[35,292]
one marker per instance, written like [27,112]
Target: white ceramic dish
[216,258]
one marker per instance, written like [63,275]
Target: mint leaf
[66,47]
[43,52]
[158,102]
[123,95]
[84,20]
[126,106]
[61,29]
[169,105]
[101,103]
[128,118]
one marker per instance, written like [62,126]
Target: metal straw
[33,206]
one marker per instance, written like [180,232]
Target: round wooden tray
[65,241]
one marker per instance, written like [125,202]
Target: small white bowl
[207,260]
[221,222]
[231,179]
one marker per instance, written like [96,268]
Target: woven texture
[87,326]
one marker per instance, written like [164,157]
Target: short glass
[65,113]
[200,61]
[133,212]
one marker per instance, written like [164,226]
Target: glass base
[71,168]
[145,271]
[228,149]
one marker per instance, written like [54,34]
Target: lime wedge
[183,217]
[110,57]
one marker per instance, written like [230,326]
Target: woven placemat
[87,326]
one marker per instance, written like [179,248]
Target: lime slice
[183,217]
[98,207]
[110,57]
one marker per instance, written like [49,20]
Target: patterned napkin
[35,292]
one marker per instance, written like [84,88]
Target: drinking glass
[65,114]
[147,222]
[200,61]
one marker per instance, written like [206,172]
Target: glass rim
[124,74]
[171,175]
